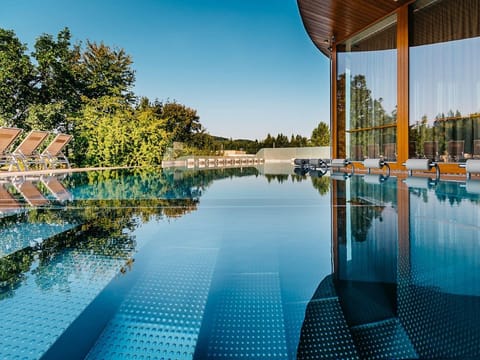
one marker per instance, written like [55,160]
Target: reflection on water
[224,263]
[406,281]
[63,240]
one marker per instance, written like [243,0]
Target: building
[405,80]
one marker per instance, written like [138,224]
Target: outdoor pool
[236,263]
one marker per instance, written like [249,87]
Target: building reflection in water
[405,280]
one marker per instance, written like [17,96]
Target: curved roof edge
[324,19]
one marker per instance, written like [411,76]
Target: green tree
[17,75]
[268,142]
[321,135]
[107,72]
[103,132]
[281,141]
[59,87]
[109,132]
[148,137]
[181,122]
[300,141]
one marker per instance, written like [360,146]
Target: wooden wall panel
[333,104]
[342,18]
[402,84]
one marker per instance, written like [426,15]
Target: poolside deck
[13,174]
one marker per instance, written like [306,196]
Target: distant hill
[220,138]
[250,146]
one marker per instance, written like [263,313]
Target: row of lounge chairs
[26,154]
[29,192]
[320,166]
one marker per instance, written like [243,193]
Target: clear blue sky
[247,66]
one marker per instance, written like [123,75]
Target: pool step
[161,316]
[249,319]
[383,340]
[365,302]
[325,333]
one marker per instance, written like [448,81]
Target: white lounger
[422,165]
[471,166]
[376,164]
[341,163]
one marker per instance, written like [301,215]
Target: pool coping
[16,174]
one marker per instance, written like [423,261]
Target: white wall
[287,154]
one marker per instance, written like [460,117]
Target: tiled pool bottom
[231,265]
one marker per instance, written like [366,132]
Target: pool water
[236,263]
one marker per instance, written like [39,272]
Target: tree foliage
[107,72]
[321,135]
[58,70]
[17,75]
[86,91]
[182,123]
[111,133]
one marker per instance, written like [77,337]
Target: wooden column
[402,84]
[333,104]
[339,226]
[403,212]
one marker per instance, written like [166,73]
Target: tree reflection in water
[108,207]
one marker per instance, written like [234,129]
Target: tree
[17,75]
[109,132]
[148,137]
[299,141]
[103,132]
[107,72]
[58,70]
[281,141]
[181,122]
[321,135]
[268,142]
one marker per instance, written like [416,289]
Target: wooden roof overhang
[342,18]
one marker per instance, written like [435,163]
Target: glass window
[445,80]
[367,93]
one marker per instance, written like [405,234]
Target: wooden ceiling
[342,18]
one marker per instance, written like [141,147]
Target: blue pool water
[235,263]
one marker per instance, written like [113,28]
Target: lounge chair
[340,176]
[357,152]
[26,153]
[341,163]
[472,187]
[471,166]
[390,152]
[8,203]
[32,195]
[476,148]
[7,137]
[56,188]
[301,171]
[375,179]
[318,164]
[430,150]
[301,162]
[373,151]
[53,155]
[376,164]
[420,182]
[422,165]
[455,150]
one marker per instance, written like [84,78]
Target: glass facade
[367,93]
[444,86]
[444,120]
